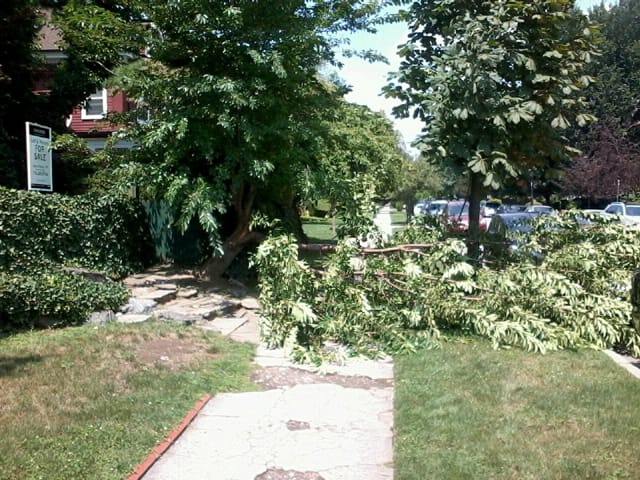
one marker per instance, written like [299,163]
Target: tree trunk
[239,238]
[475,196]
[216,266]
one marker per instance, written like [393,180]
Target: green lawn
[319,230]
[91,402]
[399,218]
[469,412]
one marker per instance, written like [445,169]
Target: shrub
[103,233]
[54,298]
[42,234]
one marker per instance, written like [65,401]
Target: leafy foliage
[50,297]
[102,233]
[609,166]
[423,288]
[43,233]
[496,84]
[358,160]
[236,105]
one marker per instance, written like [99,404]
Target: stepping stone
[132,318]
[186,318]
[160,296]
[225,325]
[250,303]
[187,293]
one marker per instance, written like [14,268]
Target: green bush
[102,233]
[54,298]
[41,234]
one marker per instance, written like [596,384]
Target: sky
[367,79]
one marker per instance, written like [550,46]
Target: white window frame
[99,94]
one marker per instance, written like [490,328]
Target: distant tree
[496,83]
[611,169]
[419,179]
[615,96]
[610,146]
[358,161]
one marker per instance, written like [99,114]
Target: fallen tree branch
[329,247]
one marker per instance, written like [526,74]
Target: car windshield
[457,209]
[519,223]
[437,207]
[633,210]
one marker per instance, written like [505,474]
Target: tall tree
[236,104]
[18,66]
[495,82]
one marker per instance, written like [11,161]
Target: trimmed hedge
[54,297]
[41,233]
[103,233]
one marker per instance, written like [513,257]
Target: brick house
[87,119]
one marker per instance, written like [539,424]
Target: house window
[95,107]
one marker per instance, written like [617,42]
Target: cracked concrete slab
[333,422]
[240,436]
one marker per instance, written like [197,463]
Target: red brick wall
[115,103]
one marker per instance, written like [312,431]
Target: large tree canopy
[236,104]
[495,82]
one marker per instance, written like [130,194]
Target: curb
[170,439]
[628,363]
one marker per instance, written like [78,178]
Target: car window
[455,209]
[614,209]
[520,224]
[633,210]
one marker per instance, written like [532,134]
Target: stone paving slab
[307,428]
[133,317]
[225,325]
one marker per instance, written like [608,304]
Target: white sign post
[39,170]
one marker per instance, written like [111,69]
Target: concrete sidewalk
[308,424]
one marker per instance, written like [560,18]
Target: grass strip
[91,402]
[466,411]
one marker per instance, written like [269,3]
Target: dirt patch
[171,352]
[280,474]
[276,377]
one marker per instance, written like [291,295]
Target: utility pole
[618,190]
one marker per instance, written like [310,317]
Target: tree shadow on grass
[9,365]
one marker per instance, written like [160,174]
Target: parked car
[420,206]
[457,213]
[489,207]
[629,214]
[540,209]
[436,207]
[511,208]
[506,232]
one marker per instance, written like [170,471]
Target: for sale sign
[39,171]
